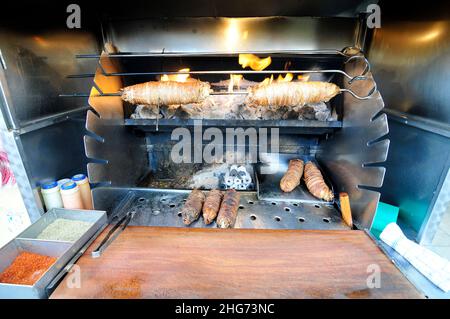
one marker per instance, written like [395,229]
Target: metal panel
[417,163]
[54,152]
[352,156]
[11,144]
[239,8]
[411,62]
[36,66]
[124,154]
[225,35]
[441,205]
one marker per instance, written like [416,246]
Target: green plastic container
[384,215]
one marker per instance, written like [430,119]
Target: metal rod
[368,96]
[177,54]
[120,94]
[358,56]
[226,72]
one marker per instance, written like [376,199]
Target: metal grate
[155,207]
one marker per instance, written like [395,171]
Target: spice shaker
[71,196]
[51,195]
[61,182]
[85,190]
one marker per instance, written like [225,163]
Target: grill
[63,113]
[130,149]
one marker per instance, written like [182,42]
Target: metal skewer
[366,97]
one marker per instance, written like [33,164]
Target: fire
[235,80]
[303,77]
[287,78]
[254,62]
[176,77]
[267,81]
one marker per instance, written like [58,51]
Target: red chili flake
[26,269]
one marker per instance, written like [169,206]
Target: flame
[303,77]
[266,81]
[254,62]
[287,78]
[41,41]
[176,77]
[232,34]
[235,80]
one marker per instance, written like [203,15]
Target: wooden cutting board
[160,262]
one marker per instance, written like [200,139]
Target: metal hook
[370,95]
[345,50]
[366,70]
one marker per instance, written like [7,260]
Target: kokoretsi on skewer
[291,93]
[166,92]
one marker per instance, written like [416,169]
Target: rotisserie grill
[192,118]
[284,104]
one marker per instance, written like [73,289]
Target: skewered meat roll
[315,183]
[166,92]
[293,175]
[193,206]
[211,206]
[291,93]
[228,209]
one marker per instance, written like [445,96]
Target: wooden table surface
[159,262]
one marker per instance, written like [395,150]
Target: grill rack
[356,55]
[350,78]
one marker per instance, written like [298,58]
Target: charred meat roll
[293,176]
[315,183]
[228,209]
[193,206]
[166,93]
[211,206]
[291,94]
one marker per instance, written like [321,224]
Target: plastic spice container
[52,197]
[71,196]
[85,190]
[61,182]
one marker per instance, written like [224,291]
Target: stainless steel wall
[42,130]
[35,68]
[55,151]
[225,35]
[236,8]
[410,57]
[411,62]
[416,163]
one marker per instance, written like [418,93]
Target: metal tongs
[117,228]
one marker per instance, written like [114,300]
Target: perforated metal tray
[156,207]
[268,185]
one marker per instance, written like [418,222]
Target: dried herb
[64,230]
[26,269]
